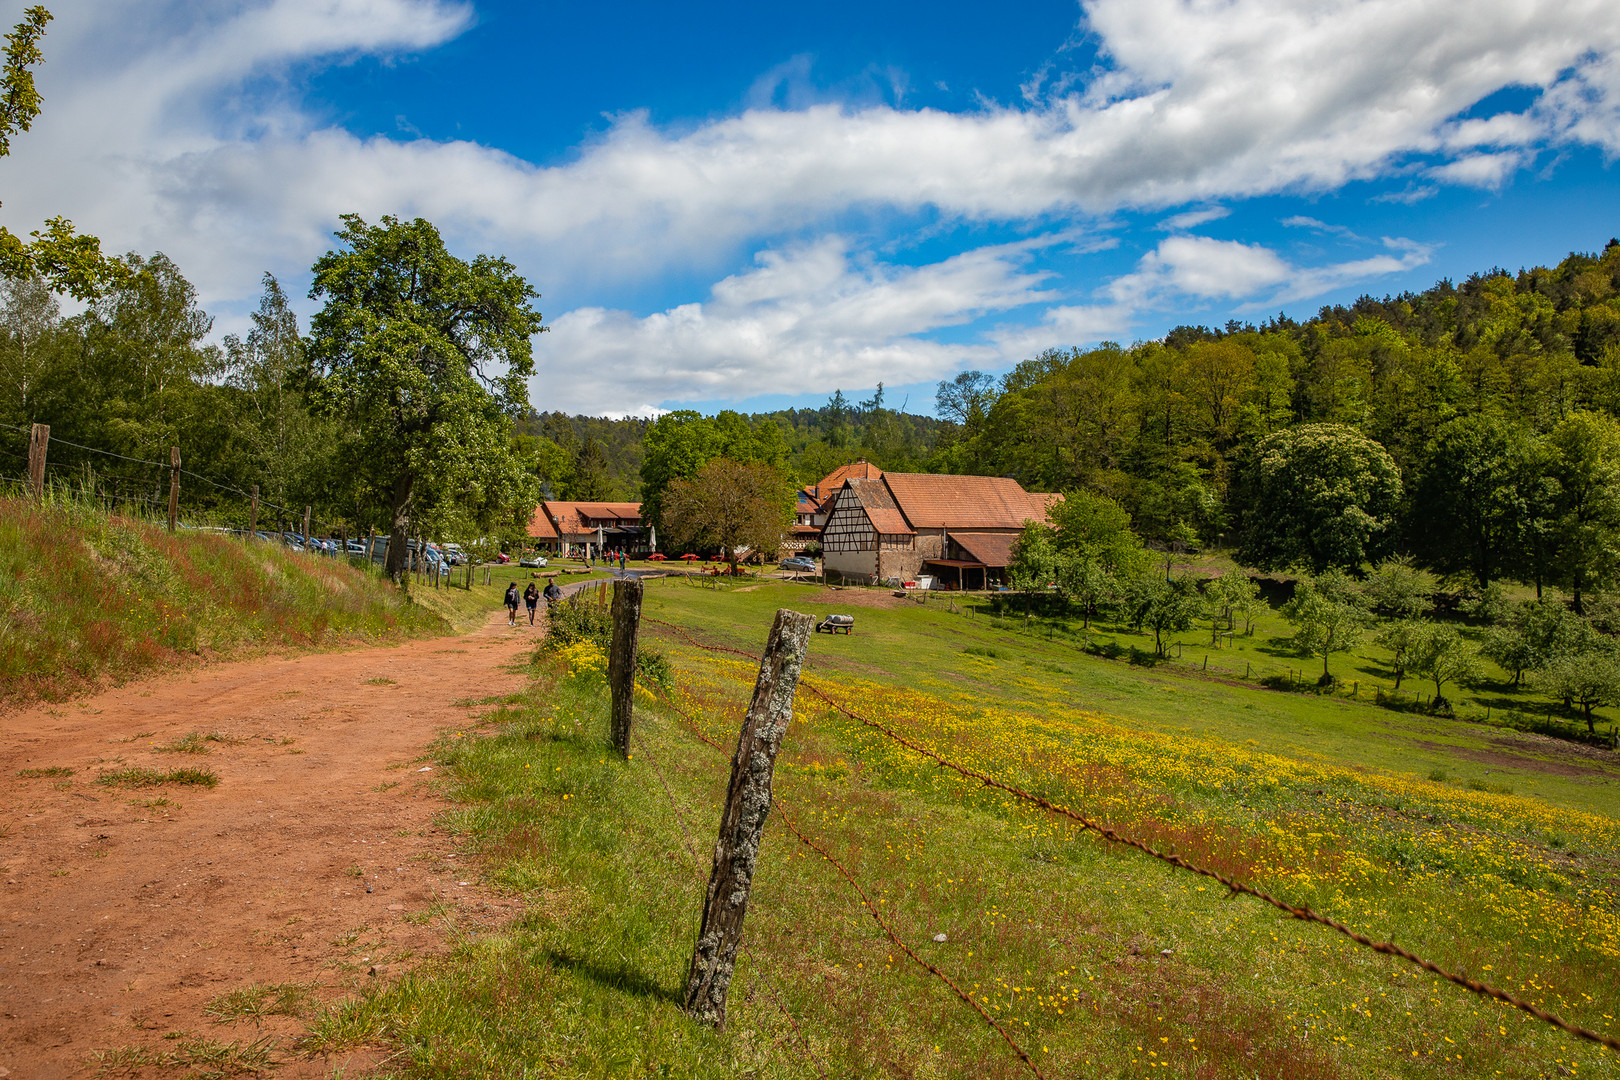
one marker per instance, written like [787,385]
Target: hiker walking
[531,599]
[621,560]
[552,593]
[511,604]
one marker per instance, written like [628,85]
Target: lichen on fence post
[748,802]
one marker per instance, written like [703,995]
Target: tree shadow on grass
[622,978]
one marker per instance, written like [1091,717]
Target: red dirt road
[124,911]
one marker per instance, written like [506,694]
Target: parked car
[533,562]
[799,564]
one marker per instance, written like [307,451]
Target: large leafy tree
[732,506]
[1321,495]
[1473,496]
[425,356]
[1584,463]
[678,444]
[70,261]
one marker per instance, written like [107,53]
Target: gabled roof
[879,505]
[991,548]
[855,470]
[570,517]
[540,525]
[807,501]
[938,501]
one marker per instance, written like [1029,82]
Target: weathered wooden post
[748,801]
[253,515]
[174,487]
[622,659]
[371,541]
[343,543]
[307,544]
[39,441]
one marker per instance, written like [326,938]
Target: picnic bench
[836,624]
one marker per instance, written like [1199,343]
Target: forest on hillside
[1471,424]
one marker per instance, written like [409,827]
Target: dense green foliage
[424,357]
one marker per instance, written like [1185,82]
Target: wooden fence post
[39,441]
[253,515]
[748,802]
[174,487]
[306,529]
[622,659]
[371,542]
[343,543]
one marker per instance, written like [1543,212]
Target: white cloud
[1478,170]
[801,320]
[150,140]
[1206,269]
[1191,219]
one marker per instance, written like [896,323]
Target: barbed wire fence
[1234,886]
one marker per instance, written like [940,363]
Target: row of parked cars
[437,556]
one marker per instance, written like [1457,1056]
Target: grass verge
[87,597]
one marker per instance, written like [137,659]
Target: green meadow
[1486,850]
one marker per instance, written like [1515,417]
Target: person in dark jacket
[552,593]
[531,600]
[511,604]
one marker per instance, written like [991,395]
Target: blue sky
[744,205]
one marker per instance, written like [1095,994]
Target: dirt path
[124,911]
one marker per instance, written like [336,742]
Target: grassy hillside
[85,598]
[1488,852]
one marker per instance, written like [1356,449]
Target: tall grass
[87,596]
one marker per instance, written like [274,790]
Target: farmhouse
[957,529]
[566,527]
[810,511]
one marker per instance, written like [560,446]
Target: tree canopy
[425,358]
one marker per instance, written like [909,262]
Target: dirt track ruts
[313,861]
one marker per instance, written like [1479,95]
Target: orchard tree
[1442,655]
[1403,638]
[1327,617]
[1152,603]
[424,356]
[1399,589]
[1587,679]
[731,506]
[1320,495]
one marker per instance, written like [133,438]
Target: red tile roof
[540,526]
[570,517]
[879,505]
[938,501]
[990,548]
[855,470]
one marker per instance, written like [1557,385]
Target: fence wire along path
[1234,886]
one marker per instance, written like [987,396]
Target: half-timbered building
[957,529]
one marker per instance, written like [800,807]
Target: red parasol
[690,557]
[657,557]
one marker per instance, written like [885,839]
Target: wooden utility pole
[39,441]
[174,487]
[622,658]
[343,543]
[748,802]
[307,544]
[253,515]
